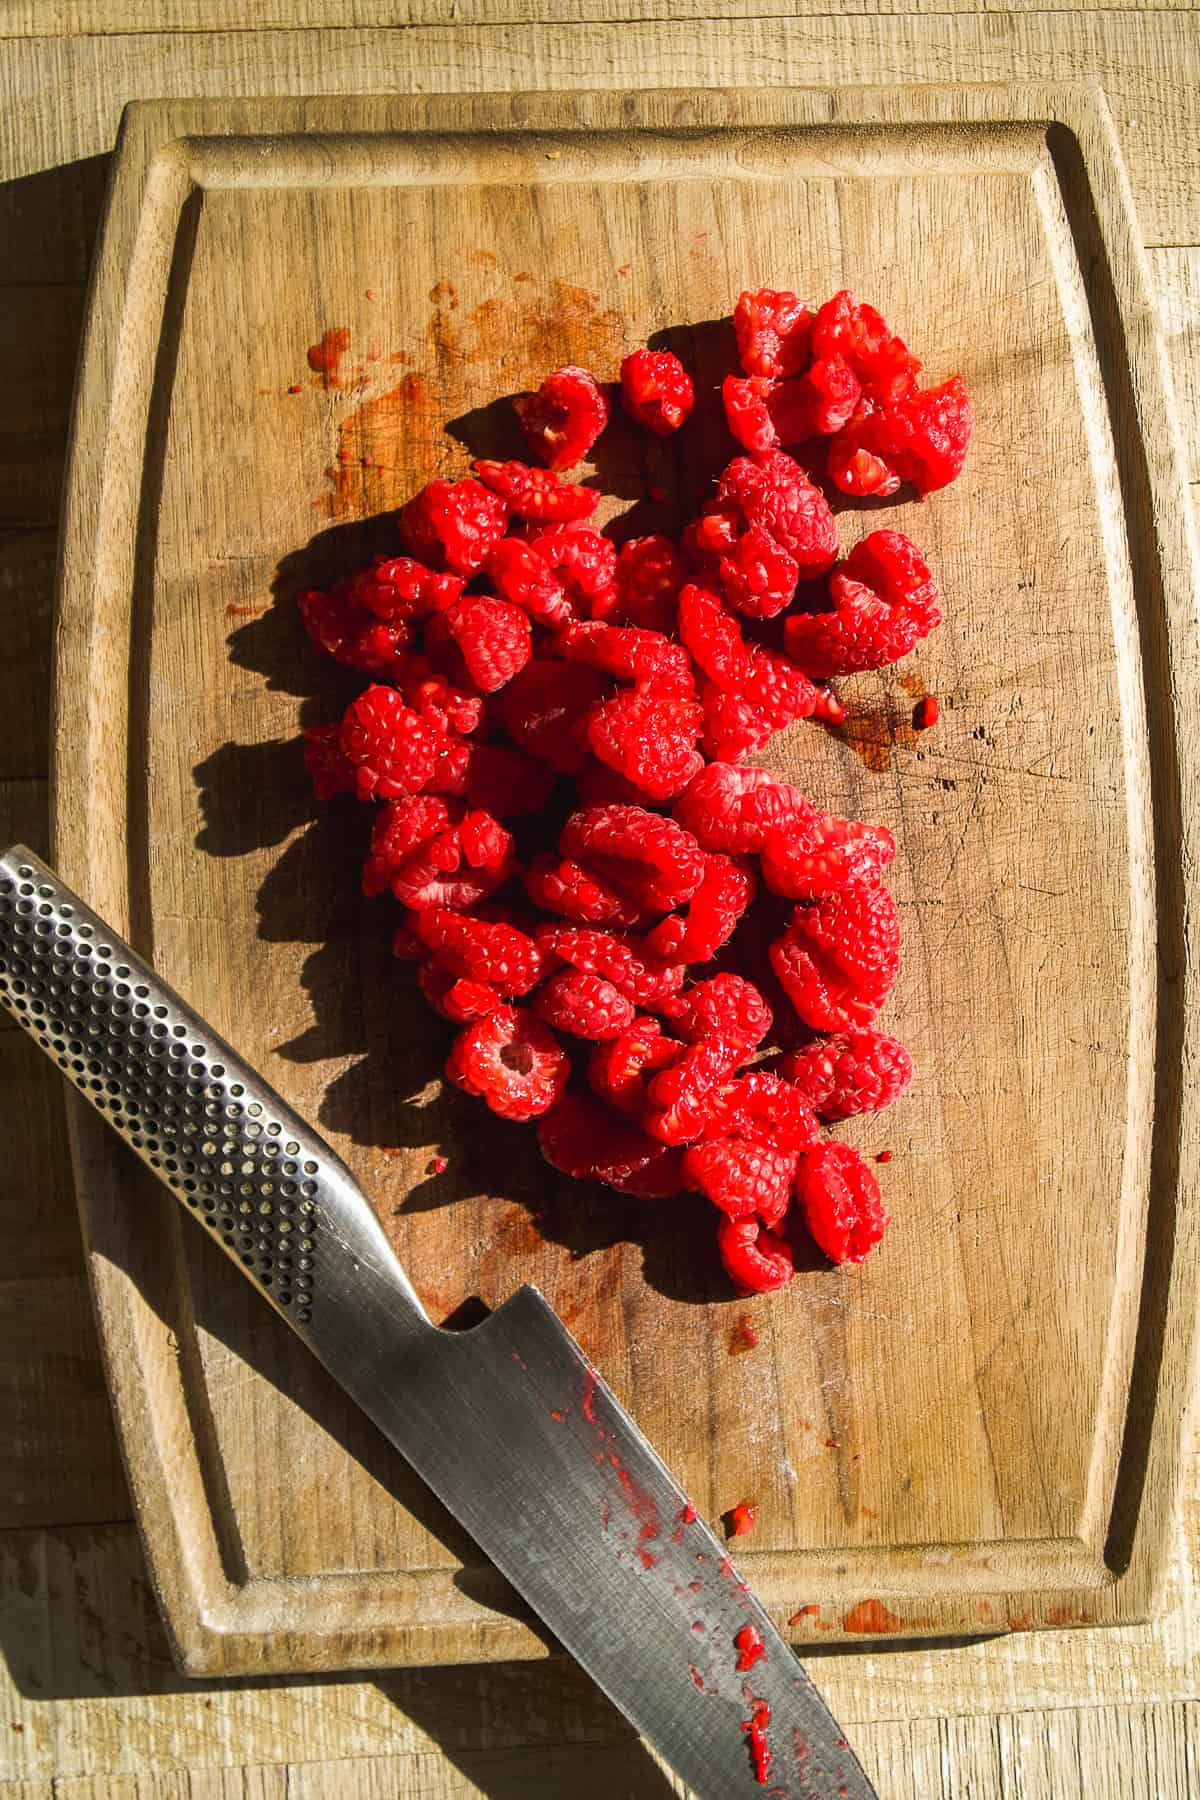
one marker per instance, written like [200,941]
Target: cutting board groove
[979,1430]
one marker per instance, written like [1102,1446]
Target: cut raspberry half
[619,1070]
[392,750]
[537,494]
[453,524]
[656,390]
[885,601]
[840,1199]
[650,857]
[525,578]
[480,949]
[650,573]
[649,736]
[712,915]
[725,1006]
[773,328]
[585,1005]
[627,962]
[564,418]
[855,1072]
[492,638]
[803,861]
[512,1061]
[745,1177]
[756,1261]
[726,808]
[839,958]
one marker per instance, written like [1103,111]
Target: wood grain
[68,18]
[847,1427]
[69,92]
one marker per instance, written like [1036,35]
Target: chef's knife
[508,1423]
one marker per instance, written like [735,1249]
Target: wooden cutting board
[303,310]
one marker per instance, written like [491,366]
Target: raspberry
[794,513]
[780,691]
[426,862]
[585,1005]
[841,1202]
[839,958]
[492,637]
[397,587]
[656,390]
[713,638]
[649,576]
[680,1098]
[725,1006]
[733,725]
[512,1061]
[745,1177]
[480,949]
[545,708]
[401,826]
[340,628]
[857,1072]
[537,494]
[758,577]
[921,438]
[849,329]
[329,770]
[568,888]
[629,652]
[885,601]
[453,524]
[761,1105]
[458,1000]
[393,751]
[726,808]
[712,916]
[585,563]
[584,1139]
[659,863]
[802,861]
[649,736]
[564,418]
[772,329]
[764,414]
[747,413]
[523,577]
[504,782]
[757,1262]
[619,1069]
[633,969]
[438,700]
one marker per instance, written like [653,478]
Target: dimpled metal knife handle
[263,1184]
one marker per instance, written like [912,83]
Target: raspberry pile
[552,741]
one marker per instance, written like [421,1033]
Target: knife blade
[508,1423]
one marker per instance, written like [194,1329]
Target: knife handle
[266,1188]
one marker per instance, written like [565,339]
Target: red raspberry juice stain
[743,1337]
[870,1616]
[366,475]
[325,357]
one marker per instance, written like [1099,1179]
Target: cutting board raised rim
[220,1621]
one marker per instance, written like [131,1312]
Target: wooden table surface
[90,1707]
